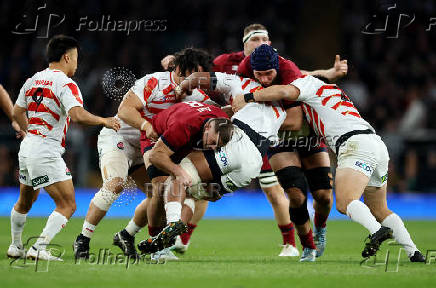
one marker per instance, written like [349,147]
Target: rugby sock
[186,236]
[320,221]
[401,235]
[153,231]
[17,225]
[307,240]
[174,211]
[56,221]
[132,228]
[360,213]
[88,229]
[288,233]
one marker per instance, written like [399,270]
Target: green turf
[227,253]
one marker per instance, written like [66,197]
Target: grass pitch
[226,253]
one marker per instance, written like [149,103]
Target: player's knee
[115,185]
[319,178]
[278,199]
[296,198]
[323,197]
[291,177]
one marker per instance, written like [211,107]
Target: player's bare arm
[160,157]
[272,93]
[7,106]
[19,115]
[339,70]
[200,80]
[80,115]
[129,112]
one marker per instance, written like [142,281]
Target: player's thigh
[315,160]
[349,185]
[139,175]
[284,159]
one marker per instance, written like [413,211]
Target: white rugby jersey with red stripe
[328,109]
[156,92]
[47,96]
[272,114]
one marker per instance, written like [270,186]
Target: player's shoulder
[223,58]
[287,64]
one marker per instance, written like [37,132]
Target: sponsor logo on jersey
[39,180]
[384,178]
[67,172]
[120,145]
[223,158]
[23,177]
[364,166]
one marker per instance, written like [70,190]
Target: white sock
[132,228]
[88,229]
[17,225]
[401,235]
[173,211]
[360,213]
[56,221]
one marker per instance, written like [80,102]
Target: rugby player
[234,165]
[239,62]
[295,151]
[46,103]
[120,153]
[361,155]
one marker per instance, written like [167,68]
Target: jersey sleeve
[71,96]
[178,135]
[21,100]
[289,72]
[144,88]
[244,68]
[308,87]
[197,95]
[228,85]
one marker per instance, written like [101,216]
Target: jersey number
[201,107]
[38,96]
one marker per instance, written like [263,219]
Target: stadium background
[391,80]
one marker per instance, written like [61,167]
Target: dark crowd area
[391,79]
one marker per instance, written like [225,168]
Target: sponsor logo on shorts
[120,145]
[23,177]
[364,166]
[40,180]
[231,185]
[384,178]
[223,158]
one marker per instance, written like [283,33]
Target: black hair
[58,46]
[190,58]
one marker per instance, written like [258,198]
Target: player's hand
[150,133]
[339,69]
[183,177]
[112,123]
[20,134]
[238,103]
[167,62]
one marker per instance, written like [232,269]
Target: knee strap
[292,177]
[319,178]
[299,215]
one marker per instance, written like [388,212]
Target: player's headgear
[58,46]
[264,58]
[254,30]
